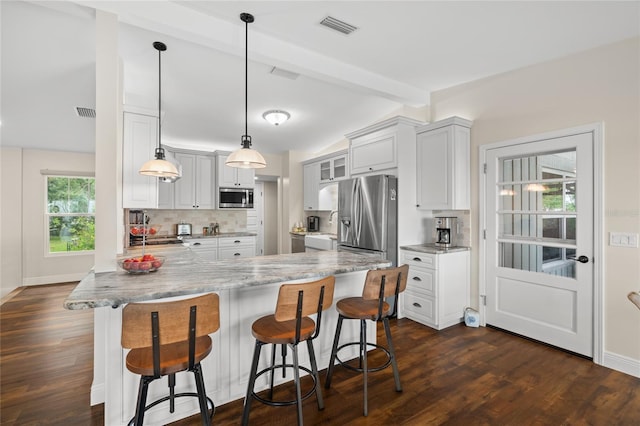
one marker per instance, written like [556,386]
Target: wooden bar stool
[166,338]
[379,283]
[289,326]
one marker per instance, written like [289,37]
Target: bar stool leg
[314,370]
[142,399]
[273,371]
[202,398]
[392,352]
[296,378]
[334,351]
[252,380]
[363,346]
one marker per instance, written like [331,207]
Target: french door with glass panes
[539,231]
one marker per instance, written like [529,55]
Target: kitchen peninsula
[247,288]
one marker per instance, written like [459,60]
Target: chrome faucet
[331,215]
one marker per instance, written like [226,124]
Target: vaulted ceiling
[333,83]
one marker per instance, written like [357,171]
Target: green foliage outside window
[71,213]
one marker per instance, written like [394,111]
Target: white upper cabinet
[444,164]
[138,146]
[377,148]
[196,188]
[232,177]
[333,169]
[321,176]
[311,185]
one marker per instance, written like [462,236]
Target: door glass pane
[325,170]
[535,258]
[538,213]
[339,167]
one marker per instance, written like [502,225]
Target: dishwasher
[297,243]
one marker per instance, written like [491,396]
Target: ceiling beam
[173,19]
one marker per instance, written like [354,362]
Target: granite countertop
[221,235]
[185,273]
[332,236]
[432,249]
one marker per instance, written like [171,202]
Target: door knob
[581,259]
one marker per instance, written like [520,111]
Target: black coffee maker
[313,224]
[445,232]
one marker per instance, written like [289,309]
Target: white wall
[10,219]
[599,85]
[39,267]
[270,218]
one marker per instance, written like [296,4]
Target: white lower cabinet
[437,287]
[236,247]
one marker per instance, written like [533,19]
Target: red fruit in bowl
[152,231]
[145,265]
[135,231]
[134,266]
[147,257]
[156,264]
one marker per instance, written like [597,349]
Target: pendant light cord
[246,75]
[159,99]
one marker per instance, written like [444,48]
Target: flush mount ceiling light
[159,166]
[245,157]
[276,116]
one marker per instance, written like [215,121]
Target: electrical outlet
[623,239]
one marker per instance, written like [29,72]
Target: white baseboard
[52,279]
[97,394]
[622,363]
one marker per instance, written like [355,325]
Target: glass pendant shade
[246,158]
[159,167]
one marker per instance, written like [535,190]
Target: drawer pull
[417,305]
[236,241]
[417,279]
[236,254]
[196,244]
[417,259]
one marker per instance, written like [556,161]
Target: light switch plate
[623,239]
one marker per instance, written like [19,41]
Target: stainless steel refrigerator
[368,212]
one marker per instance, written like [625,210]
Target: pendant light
[245,157]
[159,166]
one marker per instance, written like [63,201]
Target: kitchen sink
[319,242]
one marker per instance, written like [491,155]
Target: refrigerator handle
[357,212]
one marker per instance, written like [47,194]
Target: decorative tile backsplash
[165,220]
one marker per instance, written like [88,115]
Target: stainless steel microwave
[235,198]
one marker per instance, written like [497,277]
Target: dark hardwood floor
[458,376]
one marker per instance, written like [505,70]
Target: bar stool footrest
[177,395]
[359,369]
[289,402]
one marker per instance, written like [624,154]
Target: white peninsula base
[226,369]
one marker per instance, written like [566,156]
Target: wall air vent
[338,25]
[86,112]
[284,73]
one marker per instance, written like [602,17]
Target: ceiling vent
[284,73]
[338,25]
[86,112]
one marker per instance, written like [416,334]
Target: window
[70,214]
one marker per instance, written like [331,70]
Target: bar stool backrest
[287,306]
[393,277]
[173,320]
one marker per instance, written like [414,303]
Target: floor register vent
[338,25]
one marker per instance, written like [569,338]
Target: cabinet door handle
[370,168]
[417,305]
[417,205]
[417,259]
[417,279]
